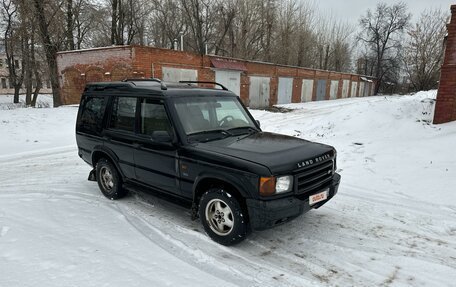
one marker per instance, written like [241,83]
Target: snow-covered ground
[393,221]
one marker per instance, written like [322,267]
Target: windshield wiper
[223,132]
[249,129]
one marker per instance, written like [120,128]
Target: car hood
[279,153]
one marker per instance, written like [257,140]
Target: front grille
[314,178]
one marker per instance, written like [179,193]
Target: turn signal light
[267,186]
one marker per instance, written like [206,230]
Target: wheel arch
[208,181]
[102,152]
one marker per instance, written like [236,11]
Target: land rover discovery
[200,145]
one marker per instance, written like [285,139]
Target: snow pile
[392,223]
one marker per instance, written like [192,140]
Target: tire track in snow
[224,262]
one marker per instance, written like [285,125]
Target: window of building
[16,64]
[123,114]
[3,83]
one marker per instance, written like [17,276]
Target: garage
[345,85]
[228,73]
[307,90]
[333,90]
[361,89]
[230,79]
[178,74]
[353,89]
[259,92]
[321,90]
[285,90]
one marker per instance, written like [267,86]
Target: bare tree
[424,50]
[50,49]
[198,14]
[14,45]
[381,33]
[70,25]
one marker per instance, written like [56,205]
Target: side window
[153,118]
[123,114]
[92,115]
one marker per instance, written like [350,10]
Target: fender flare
[109,154]
[228,178]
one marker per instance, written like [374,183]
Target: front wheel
[222,217]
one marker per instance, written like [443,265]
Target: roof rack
[162,85]
[204,82]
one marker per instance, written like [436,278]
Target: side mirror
[162,137]
[258,123]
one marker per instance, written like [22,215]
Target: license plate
[318,197]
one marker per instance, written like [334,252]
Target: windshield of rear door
[203,115]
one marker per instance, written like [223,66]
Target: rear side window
[92,115]
[123,114]
[153,118]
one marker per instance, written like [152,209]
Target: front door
[155,160]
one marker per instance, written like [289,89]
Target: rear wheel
[222,217]
[109,180]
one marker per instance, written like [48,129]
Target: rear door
[155,161]
[120,133]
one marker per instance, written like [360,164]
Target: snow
[393,221]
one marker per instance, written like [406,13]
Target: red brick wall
[76,68]
[445,107]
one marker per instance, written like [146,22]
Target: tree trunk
[114,22]
[69,32]
[326,58]
[26,65]
[36,72]
[16,94]
[50,50]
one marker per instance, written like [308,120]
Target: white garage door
[176,74]
[345,85]
[333,90]
[307,90]
[361,89]
[285,91]
[230,79]
[353,90]
[259,92]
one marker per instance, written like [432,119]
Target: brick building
[445,108]
[258,84]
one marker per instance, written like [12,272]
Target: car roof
[157,87]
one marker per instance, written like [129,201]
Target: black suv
[203,146]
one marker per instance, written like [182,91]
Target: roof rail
[162,85]
[204,82]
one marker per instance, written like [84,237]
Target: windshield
[202,115]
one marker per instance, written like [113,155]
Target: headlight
[274,185]
[284,184]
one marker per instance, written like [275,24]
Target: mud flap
[194,211]
[92,175]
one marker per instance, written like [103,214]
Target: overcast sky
[351,10]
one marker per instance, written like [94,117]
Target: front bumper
[265,214]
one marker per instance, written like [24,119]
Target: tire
[222,217]
[109,180]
